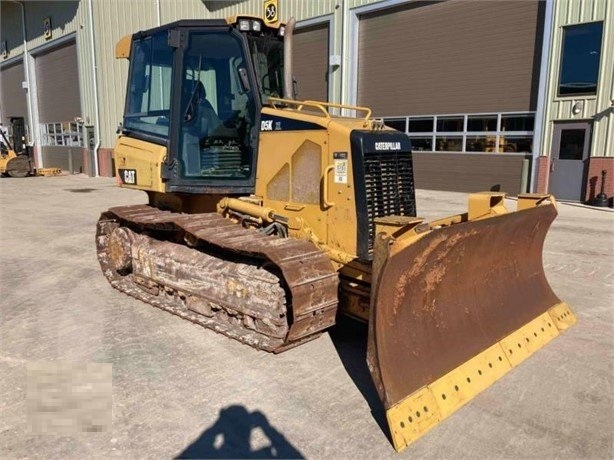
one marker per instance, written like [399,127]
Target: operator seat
[198,111]
[199,121]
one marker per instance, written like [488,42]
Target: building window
[422,143]
[487,133]
[396,123]
[449,143]
[450,124]
[518,144]
[61,134]
[580,58]
[420,125]
[480,143]
[518,122]
[482,123]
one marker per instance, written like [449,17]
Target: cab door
[214,114]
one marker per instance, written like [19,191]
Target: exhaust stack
[288,52]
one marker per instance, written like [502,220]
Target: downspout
[288,43]
[540,113]
[26,68]
[158,11]
[95,81]
[609,127]
[344,51]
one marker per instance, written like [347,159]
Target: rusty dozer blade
[453,309]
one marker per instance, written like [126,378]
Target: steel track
[268,292]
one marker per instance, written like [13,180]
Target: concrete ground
[87,372]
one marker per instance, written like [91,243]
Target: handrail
[321,106]
[325,202]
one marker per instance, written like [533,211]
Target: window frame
[61,134]
[561,60]
[498,134]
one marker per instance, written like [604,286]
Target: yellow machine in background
[11,163]
[268,217]
[19,164]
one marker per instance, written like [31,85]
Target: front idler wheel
[120,250]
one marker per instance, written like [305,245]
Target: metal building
[578,121]
[40,78]
[474,84]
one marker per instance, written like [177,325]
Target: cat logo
[270,12]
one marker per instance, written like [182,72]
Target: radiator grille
[389,185]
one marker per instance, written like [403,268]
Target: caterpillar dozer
[268,216]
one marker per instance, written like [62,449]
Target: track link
[268,292]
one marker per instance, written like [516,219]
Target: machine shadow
[229,437]
[350,340]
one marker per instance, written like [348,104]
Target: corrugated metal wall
[594,108]
[63,16]
[84,62]
[10,27]
[112,21]
[300,9]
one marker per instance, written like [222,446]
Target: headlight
[256,26]
[244,25]
[282,31]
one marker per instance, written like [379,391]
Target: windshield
[268,56]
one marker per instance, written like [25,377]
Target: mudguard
[453,308]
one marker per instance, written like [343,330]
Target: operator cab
[197,87]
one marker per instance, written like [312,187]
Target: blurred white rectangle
[69,398]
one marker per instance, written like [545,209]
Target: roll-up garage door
[57,79]
[13,99]
[450,57]
[311,62]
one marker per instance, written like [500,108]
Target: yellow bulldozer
[267,217]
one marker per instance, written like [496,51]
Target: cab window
[149,86]
[268,58]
